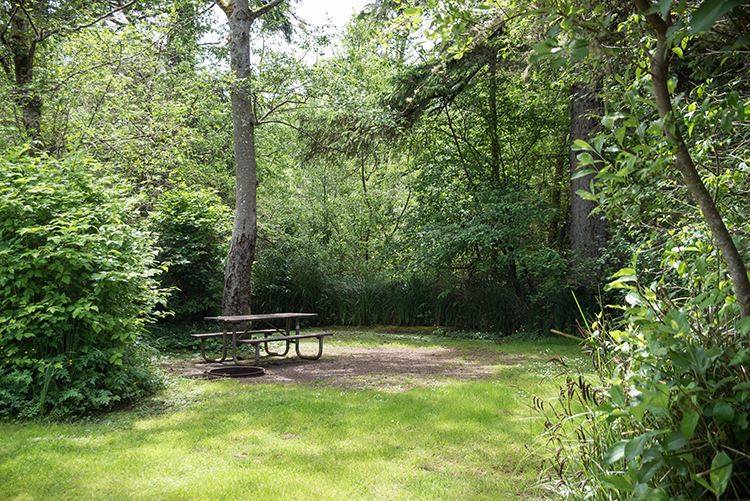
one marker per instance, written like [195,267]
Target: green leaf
[620,134]
[708,12]
[635,446]
[671,85]
[721,471]
[625,272]
[579,53]
[633,299]
[585,158]
[580,144]
[585,195]
[676,441]
[723,411]
[617,395]
[688,424]
[702,481]
[617,482]
[413,11]
[582,173]
[743,325]
[616,452]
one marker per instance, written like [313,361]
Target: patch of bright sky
[333,12]
[325,16]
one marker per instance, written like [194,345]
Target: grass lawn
[230,440]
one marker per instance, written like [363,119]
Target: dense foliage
[77,282]
[192,228]
[667,416]
[672,415]
[483,164]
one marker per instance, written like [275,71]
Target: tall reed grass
[486,306]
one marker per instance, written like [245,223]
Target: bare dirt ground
[385,368]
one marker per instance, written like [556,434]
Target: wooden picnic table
[242,325]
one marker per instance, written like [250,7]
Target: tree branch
[671,125]
[227,6]
[255,14]
[83,26]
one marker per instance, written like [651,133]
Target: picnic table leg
[314,357]
[234,347]
[296,326]
[235,355]
[223,350]
[274,353]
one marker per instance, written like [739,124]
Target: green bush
[77,285]
[193,228]
[668,414]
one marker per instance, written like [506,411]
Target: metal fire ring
[242,371]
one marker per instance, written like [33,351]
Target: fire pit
[241,371]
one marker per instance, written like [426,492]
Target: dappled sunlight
[279,439]
[433,249]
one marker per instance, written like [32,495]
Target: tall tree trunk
[556,236]
[684,162]
[237,274]
[587,231]
[23,43]
[492,116]
[238,270]
[366,238]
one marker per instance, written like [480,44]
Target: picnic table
[242,330]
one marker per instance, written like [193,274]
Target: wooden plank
[261,316]
[229,333]
[209,334]
[284,338]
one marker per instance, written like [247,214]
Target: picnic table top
[261,316]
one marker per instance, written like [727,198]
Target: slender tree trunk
[237,274]
[22,43]
[554,236]
[492,117]
[366,239]
[587,231]
[684,161]
[238,270]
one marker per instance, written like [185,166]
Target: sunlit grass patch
[226,439]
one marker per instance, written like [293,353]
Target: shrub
[668,414]
[193,228]
[77,285]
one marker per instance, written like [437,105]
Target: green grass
[228,440]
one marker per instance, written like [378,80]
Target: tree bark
[492,116]
[556,236]
[587,231]
[365,195]
[238,270]
[684,162]
[22,44]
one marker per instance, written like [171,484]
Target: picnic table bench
[239,329]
